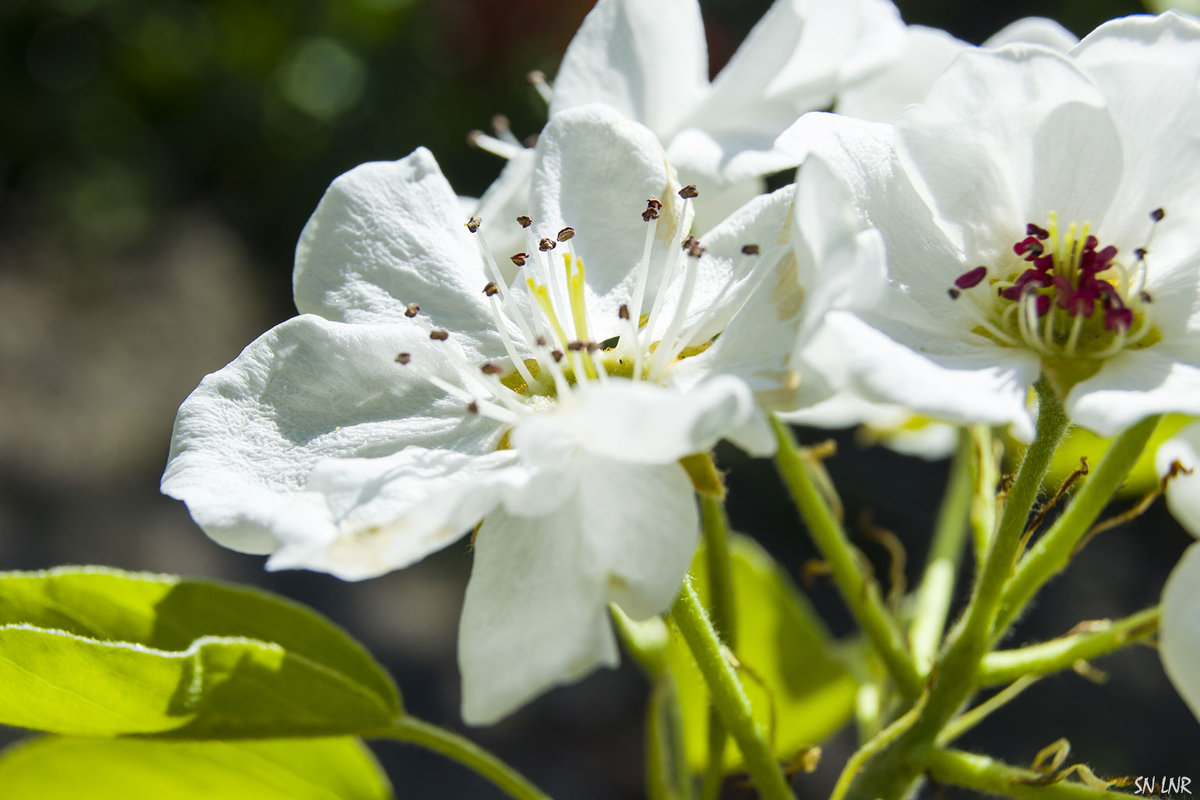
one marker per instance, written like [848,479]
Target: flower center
[554,344]
[1065,296]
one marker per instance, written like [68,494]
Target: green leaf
[55,768]
[99,652]
[783,643]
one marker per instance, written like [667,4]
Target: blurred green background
[158,159]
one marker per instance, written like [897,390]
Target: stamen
[497,147]
[504,130]
[537,79]
[473,224]
[439,335]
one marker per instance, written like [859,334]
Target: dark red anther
[971,278]
[1042,304]
[1115,318]
[1030,247]
[491,369]
[1036,230]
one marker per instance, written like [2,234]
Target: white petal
[644,423]
[797,57]
[906,80]
[1179,641]
[536,613]
[307,391]
[1134,384]
[387,234]
[1148,69]
[933,374]
[594,172]
[1183,492]
[1034,30]
[1004,138]
[715,159]
[646,60]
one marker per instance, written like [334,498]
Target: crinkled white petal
[1183,491]
[644,423]
[1134,384]
[1179,639]
[594,171]
[388,234]
[536,609]
[891,426]
[247,440]
[647,60]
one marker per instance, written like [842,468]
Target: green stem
[1053,550]
[945,554]
[727,694]
[667,776]
[860,593]
[1003,666]
[986,775]
[890,774]
[724,617]
[464,751]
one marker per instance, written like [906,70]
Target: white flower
[1179,640]
[648,59]
[1041,215]
[926,55]
[419,393]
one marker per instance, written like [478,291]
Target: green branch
[984,774]
[724,617]
[727,694]
[1054,549]
[860,593]
[1003,666]
[464,751]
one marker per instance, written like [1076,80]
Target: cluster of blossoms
[551,369]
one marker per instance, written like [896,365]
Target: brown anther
[473,407]
[403,358]
[491,369]
[546,245]
[566,234]
[530,140]
[557,355]
[439,335]
[1158,214]
[473,224]
[525,220]
[535,77]
[519,258]
[689,191]
[689,242]
[1141,253]
[1145,297]
[473,138]
[541,341]
[954,293]
[491,288]
[500,123]
[695,250]
[623,311]
[411,310]
[652,208]
[750,250]
[576,346]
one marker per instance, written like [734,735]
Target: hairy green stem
[1054,549]
[464,751]
[987,775]
[860,593]
[945,554]
[727,694]
[667,775]
[894,769]
[1003,666]
[724,617]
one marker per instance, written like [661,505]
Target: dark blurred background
[158,159]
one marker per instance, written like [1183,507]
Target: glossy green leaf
[55,768]
[785,651]
[98,652]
